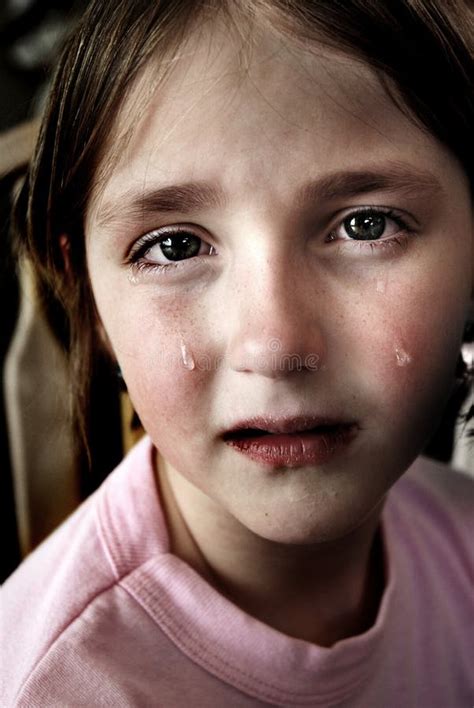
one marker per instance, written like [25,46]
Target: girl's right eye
[159,250]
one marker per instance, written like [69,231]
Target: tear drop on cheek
[403,358]
[380,286]
[187,357]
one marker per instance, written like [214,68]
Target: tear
[403,358]
[186,356]
[380,286]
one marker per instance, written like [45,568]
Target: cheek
[169,399]
[410,343]
[162,353]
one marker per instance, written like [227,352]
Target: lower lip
[296,449]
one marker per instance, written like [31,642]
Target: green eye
[365,226]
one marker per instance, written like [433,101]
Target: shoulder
[429,525]
[80,564]
[431,517]
[438,488]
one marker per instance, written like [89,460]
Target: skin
[278,541]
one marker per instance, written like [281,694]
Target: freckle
[403,358]
[186,356]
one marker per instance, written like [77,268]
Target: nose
[276,329]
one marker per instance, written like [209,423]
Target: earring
[467,348]
[466,367]
[467,355]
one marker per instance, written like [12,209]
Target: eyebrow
[183,198]
[193,197]
[396,177]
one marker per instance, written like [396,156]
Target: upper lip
[279,424]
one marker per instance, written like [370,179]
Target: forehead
[265,112]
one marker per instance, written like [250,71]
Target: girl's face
[272,275]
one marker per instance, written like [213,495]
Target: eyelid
[386,210]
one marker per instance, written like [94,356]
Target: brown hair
[421,50]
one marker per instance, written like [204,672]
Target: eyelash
[138,265]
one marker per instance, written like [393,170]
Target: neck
[321,593]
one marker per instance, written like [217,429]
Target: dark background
[31,35]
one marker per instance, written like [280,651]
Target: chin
[312,521]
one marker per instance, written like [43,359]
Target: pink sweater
[102,614]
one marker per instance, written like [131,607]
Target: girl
[262,211]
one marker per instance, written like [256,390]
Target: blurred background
[39,484]
[31,33]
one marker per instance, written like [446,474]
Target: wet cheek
[397,352]
[166,366]
[410,366]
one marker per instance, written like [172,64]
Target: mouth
[248,433]
[276,443]
[268,426]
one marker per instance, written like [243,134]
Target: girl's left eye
[368,225]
